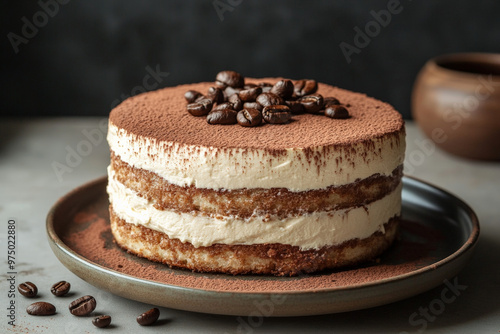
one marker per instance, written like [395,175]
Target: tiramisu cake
[264,176]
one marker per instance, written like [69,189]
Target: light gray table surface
[29,186]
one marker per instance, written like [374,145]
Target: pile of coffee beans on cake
[80,307]
[231,101]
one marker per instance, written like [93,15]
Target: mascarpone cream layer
[296,169]
[310,231]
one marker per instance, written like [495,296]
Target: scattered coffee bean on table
[60,288]
[149,317]
[28,289]
[41,308]
[82,306]
[102,321]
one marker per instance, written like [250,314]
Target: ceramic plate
[437,237]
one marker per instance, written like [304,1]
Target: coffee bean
[266,86]
[82,306]
[250,94]
[253,105]
[149,317]
[249,85]
[224,105]
[328,101]
[305,87]
[60,288]
[41,308]
[269,99]
[215,94]
[28,289]
[276,114]
[283,88]
[230,78]
[220,85]
[249,117]
[191,95]
[236,102]
[312,103]
[200,108]
[102,321]
[295,107]
[222,117]
[230,91]
[337,111]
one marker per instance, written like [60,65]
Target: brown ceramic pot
[456,102]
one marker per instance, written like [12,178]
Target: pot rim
[486,58]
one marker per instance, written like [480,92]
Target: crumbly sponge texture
[273,259]
[244,203]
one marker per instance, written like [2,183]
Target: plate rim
[466,247]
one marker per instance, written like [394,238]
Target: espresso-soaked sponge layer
[274,259]
[244,203]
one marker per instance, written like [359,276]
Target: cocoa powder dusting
[92,238]
[162,115]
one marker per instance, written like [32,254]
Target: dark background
[91,54]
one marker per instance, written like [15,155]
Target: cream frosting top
[213,168]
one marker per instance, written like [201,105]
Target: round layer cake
[313,194]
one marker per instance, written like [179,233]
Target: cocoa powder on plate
[94,241]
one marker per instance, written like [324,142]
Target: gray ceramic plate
[437,238]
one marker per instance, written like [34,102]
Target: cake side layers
[232,168]
[245,203]
[276,259]
[308,231]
